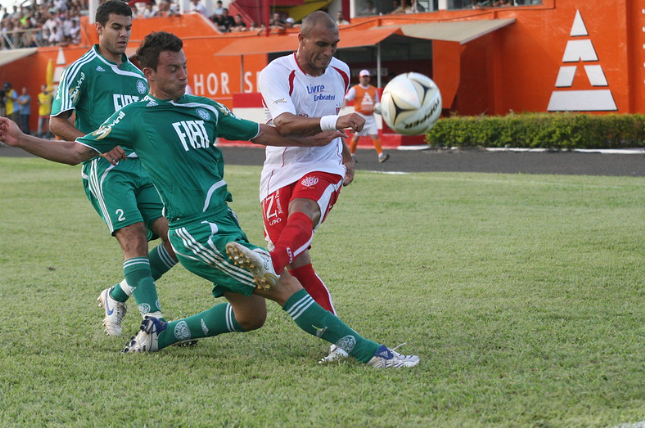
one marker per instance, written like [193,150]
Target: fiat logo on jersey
[309,181]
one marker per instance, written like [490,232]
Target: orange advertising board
[573,55]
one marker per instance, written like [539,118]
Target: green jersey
[96,88]
[174,141]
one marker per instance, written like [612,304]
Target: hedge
[541,130]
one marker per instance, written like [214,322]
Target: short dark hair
[152,46]
[315,18]
[117,7]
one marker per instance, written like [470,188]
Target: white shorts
[370,127]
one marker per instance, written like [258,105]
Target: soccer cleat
[114,312]
[354,158]
[335,354]
[257,261]
[385,357]
[147,339]
[383,157]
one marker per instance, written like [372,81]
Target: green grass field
[523,295]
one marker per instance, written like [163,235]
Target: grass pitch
[523,295]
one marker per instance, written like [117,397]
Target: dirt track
[568,163]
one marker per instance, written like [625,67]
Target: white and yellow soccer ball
[411,104]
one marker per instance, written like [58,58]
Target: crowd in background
[57,22]
[51,23]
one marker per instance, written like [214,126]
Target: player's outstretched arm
[269,136]
[293,125]
[67,152]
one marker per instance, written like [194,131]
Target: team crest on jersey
[142,88]
[99,68]
[309,181]
[203,114]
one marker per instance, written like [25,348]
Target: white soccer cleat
[114,312]
[257,261]
[383,157]
[385,357]
[335,354]
[147,339]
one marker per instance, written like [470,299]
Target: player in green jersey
[95,86]
[173,133]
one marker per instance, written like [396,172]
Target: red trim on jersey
[344,76]
[292,77]
[295,58]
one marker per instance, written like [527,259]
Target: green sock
[216,320]
[160,261]
[313,319]
[138,275]
[119,294]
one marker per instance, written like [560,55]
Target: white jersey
[286,88]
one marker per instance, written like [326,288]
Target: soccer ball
[411,104]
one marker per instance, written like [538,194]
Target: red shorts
[321,187]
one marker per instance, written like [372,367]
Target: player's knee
[252,323]
[133,239]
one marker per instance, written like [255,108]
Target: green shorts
[122,195]
[200,245]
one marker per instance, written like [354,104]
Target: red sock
[294,239]
[314,286]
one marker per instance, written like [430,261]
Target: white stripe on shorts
[214,258]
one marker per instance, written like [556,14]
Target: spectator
[15,13]
[135,11]
[164,10]
[276,23]
[415,7]
[148,11]
[290,22]
[11,97]
[60,5]
[66,28]
[219,9]
[75,32]
[196,6]
[225,21]
[2,102]
[403,7]
[368,9]
[51,25]
[256,27]
[24,110]
[340,18]
[239,24]
[44,110]
[7,32]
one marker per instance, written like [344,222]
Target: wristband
[328,123]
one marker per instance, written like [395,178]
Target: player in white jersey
[303,93]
